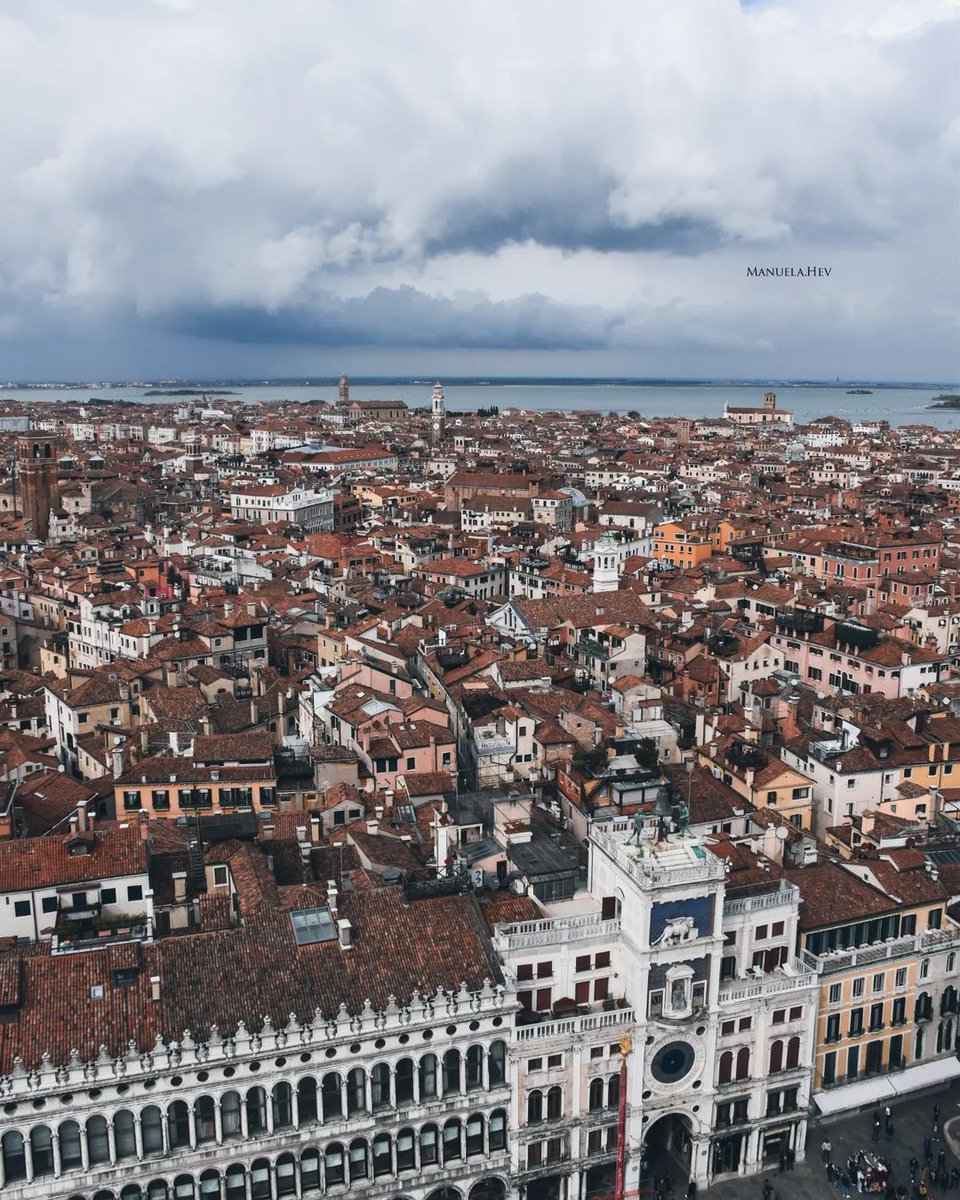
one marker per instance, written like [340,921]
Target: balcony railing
[782,893]
[793,977]
[891,1068]
[555,931]
[571,1026]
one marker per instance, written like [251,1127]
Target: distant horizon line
[464,381]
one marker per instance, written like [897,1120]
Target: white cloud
[629,158]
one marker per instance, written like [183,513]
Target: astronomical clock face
[674,1063]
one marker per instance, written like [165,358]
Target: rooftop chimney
[333,894]
[117,757]
[83,817]
[373,826]
[155,987]
[345,934]
[315,827]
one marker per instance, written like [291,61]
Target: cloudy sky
[242,187]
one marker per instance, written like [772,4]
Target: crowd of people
[870,1173]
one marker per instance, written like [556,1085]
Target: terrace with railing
[554,931]
[930,940]
[678,859]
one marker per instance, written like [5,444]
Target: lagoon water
[898,404]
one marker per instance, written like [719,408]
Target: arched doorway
[666,1151]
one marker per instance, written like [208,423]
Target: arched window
[70,1153]
[184,1188]
[595,1102]
[451,1072]
[310,1171]
[535,1107]
[256,1110]
[406,1150]
[282,1106]
[776,1056]
[230,1120]
[725,1068]
[923,1009]
[260,1179]
[429,1145]
[356,1091]
[382,1155]
[474,1067]
[793,1053]
[948,1002]
[555,1104]
[178,1125]
[403,1081]
[451,1141]
[98,1140]
[131,1192]
[474,1135]
[359,1155]
[918,1044]
[334,1164]
[124,1135]
[204,1119]
[613,1091]
[151,1132]
[380,1086]
[286,1169]
[330,1097]
[210,1185]
[41,1147]
[307,1100]
[428,1077]
[498,1129]
[743,1063]
[497,1063]
[157,1190]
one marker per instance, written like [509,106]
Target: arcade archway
[666,1154]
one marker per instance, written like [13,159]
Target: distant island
[187,392]
[945,401]
[859,392]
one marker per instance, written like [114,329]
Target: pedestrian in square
[826,1150]
[791,1158]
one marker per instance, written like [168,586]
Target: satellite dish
[781,833]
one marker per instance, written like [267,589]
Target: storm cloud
[191,183]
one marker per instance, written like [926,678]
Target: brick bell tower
[38,478]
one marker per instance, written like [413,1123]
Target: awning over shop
[885,1088]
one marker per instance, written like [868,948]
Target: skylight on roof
[312,925]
